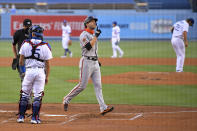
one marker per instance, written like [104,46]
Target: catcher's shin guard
[36,107]
[23,105]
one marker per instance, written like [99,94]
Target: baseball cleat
[39,121]
[34,121]
[109,109]
[121,55]
[71,54]
[21,119]
[63,56]
[113,57]
[65,107]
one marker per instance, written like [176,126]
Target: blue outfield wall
[138,26]
[134,25]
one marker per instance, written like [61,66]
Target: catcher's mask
[88,19]
[36,30]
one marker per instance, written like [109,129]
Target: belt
[91,58]
[34,67]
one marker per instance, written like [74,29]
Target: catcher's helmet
[37,30]
[88,19]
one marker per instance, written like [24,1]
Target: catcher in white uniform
[36,55]
[179,41]
[115,40]
[66,42]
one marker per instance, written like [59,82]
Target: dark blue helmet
[191,20]
[37,30]
[114,22]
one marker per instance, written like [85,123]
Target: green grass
[138,49]
[58,87]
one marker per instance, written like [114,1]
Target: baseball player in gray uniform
[89,66]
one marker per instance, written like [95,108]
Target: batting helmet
[88,19]
[37,30]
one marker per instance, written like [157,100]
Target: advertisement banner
[138,26]
[52,24]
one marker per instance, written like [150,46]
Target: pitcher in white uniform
[179,41]
[34,57]
[66,31]
[115,40]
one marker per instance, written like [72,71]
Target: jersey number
[36,53]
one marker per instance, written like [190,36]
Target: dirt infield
[85,117]
[150,78]
[6,61]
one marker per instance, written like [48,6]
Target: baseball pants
[115,47]
[34,79]
[179,48]
[65,41]
[88,69]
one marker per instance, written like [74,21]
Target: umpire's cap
[88,19]
[37,30]
[191,20]
[27,22]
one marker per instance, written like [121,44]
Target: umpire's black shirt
[19,37]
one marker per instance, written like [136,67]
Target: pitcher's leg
[120,51]
[182,55]
[114,49]
[179,48]
[96,79]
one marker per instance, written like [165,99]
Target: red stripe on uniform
[79,81]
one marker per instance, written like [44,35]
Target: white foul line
[69,120]
[137,116]
[53,115]
[3,111]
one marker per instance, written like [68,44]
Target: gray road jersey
[86,37]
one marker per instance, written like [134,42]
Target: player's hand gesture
[98,32]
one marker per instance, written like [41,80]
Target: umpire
[18,38]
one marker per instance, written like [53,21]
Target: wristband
[22,69]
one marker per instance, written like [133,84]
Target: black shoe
[65,107]
[109,109]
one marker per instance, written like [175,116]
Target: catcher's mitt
[14,63]
[70,42]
